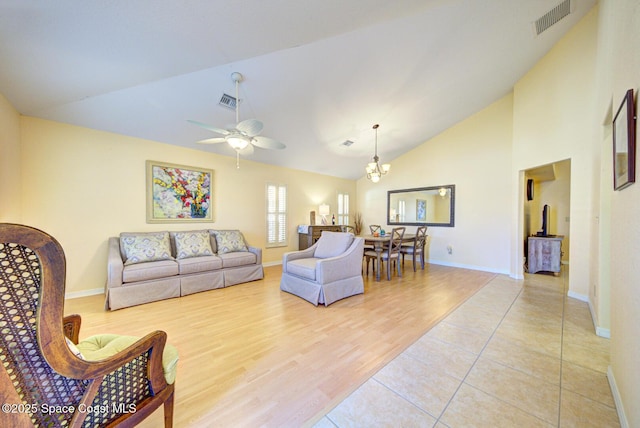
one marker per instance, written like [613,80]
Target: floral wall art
[178,193]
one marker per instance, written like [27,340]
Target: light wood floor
[251,355]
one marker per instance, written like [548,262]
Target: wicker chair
[44,381]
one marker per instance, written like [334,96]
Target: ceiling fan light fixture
[245,134]
[238,142]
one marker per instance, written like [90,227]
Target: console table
[308,235]
[544,253]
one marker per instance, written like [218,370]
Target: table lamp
[324,211]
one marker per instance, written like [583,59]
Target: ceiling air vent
[347,143]
[554,15]
[228,101]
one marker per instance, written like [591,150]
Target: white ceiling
[317,72]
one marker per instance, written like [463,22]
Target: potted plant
[357,223]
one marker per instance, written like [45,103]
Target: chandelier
[374,169]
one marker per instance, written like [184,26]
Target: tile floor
[517,353]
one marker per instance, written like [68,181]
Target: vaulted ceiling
[316,72]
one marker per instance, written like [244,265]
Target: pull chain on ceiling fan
[245,135]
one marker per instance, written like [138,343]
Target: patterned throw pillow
[229,241]
[192,244]
[145,247]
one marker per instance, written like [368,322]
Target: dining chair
[391,253]
[345,228]
[416,248]
[373,228]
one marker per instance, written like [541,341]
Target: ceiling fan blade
[210,128]
[212,140]
[250,127]
[267,143]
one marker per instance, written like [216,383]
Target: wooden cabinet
[544,253]
[308,235]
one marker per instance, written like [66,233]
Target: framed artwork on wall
[624,143]
[178,193]
[421,210]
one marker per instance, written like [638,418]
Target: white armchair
[328,271]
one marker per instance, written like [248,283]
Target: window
[343,208]
[276,215]
[402,210]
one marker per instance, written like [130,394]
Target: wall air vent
[553,16]
[228,101]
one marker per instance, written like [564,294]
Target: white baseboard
[463,266]
[578,296]
[276,263]
[617,399]
[600,331]
[84,293]
[603,332]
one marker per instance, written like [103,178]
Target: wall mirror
[422,206]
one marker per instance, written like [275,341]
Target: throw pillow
[192,244]
[229,241]
[145,247]
[332,244]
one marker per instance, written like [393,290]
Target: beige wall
[474,155]
[10,189]
[83,185]
[618,71]
[553,117]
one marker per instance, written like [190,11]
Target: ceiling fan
[245,135]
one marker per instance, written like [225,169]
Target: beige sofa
[151,266]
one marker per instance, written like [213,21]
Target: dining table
[380,242]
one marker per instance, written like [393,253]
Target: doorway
[548,185]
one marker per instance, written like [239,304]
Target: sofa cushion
[241,258]
[102,346]
[332,244]
[199,264]
[229,241]
[304,268]
[194,243]
[145,247]
[150,270]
